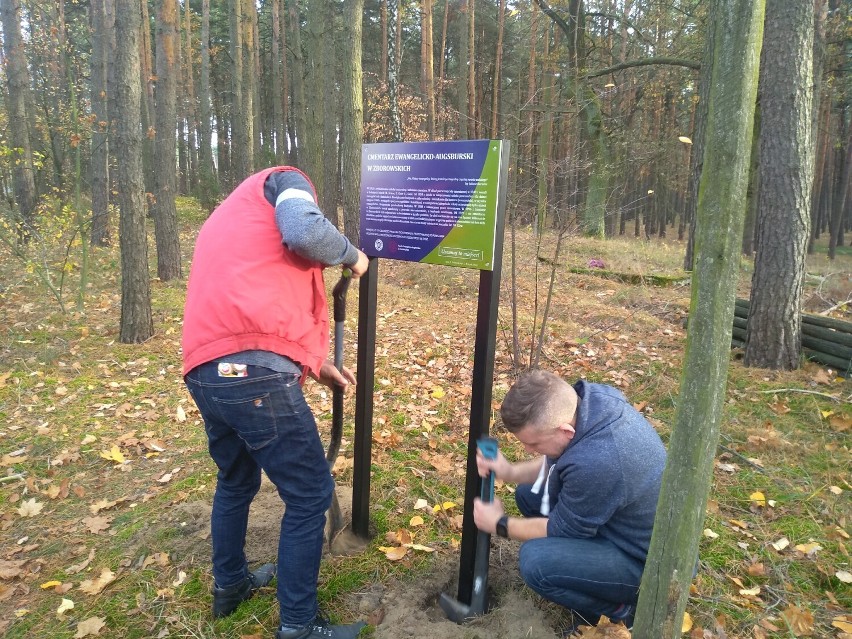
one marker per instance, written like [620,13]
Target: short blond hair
[539,398]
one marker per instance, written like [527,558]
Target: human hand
[500,465]
[331,377]
[360,267]
[486,514]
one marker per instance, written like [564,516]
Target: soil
[405,608]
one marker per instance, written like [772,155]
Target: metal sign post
[439,203]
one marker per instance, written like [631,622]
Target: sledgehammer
[334,518]
[452,607]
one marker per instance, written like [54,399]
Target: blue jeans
[592,576]
[263,422]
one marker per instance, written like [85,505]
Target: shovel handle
[338,293]
[488,447]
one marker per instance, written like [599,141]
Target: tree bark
[786,175]
[311,141]
[241,149]
[439,100]
[393,72]
[99,234]
[208,183]
[473,126]
[17,79]
[329,196]
[428,67]
[737,31]
[842,198]
[278,99]
[498,69]
[137,324]
[353,119]
[148,79]
[190,109]
[165,212]
[298,152]
[464,71]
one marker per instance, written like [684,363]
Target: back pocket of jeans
[253,419]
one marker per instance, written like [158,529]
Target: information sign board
[431,202]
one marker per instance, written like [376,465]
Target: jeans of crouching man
[592,577]
[262,421]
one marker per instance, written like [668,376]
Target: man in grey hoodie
[587,501]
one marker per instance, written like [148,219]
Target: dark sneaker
[624,615]
[320,628]
[226,600]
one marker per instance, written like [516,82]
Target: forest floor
[105,483]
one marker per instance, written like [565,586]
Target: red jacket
[247,291]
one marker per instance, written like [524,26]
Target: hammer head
[461,612]
[455,609]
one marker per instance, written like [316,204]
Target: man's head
[540,410]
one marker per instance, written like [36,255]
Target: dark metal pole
[483,375]
[366,363]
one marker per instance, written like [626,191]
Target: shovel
[452,607]
[334,518]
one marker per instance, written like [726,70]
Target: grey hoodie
[607,481]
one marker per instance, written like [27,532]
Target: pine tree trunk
[842,198]
[311,144]
[208,183]
[99,171]
[737,31]
[473,121]
[329,197]
[251,83]
[17,78]
[393,72]
[786,165]
[190,101]
[182,175]
[696,162]
[297,152]
[353,119]
[428,67]
[278,97]
[464,70]
[498,69]
[137,324]
[288,140]
[165,213]
[240,115]
[147,109]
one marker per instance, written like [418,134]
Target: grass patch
[69,392]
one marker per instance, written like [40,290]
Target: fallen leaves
[30,508]
[95,586]
[113,454]
[405,541]
[97,524]
[105,504]
[800,621]
[64,607]
[91,627]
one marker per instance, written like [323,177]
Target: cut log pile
[824,339]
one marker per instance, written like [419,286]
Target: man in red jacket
[255,325]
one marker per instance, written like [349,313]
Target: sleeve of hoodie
[304,229]
[592,489]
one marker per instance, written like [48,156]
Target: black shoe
[226,600]
[320,628]
[625,616]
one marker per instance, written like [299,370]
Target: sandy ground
[403,609]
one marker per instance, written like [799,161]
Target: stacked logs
[824,339]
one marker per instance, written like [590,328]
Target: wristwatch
[502,528]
